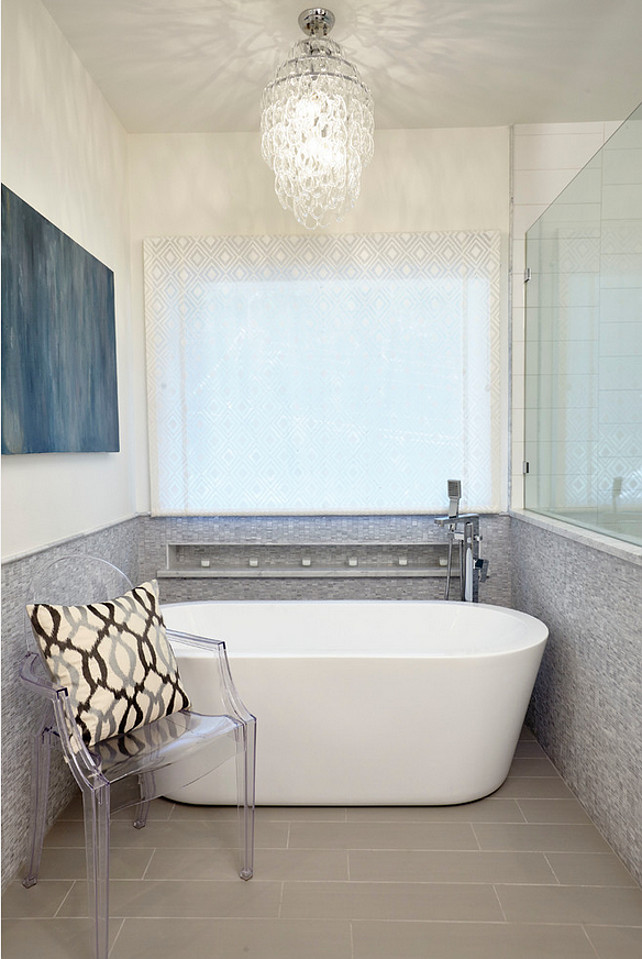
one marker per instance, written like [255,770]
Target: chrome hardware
[316,22]
[462,529]
[482,566]
[454,495]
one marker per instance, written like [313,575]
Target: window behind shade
[322,374]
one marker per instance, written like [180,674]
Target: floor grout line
[551,867]
[149,862]
[113,940]
[293,868]
[65,897]
[499,902]
[476,837]
[590,941]
[521,811]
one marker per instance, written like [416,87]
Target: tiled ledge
[74,542]
[336,573]
[198,560]
[586,537]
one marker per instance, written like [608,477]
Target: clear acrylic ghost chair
[128,770]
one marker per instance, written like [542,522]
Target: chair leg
[41,759]
[140,816]
[146,787]
[96,806]
[245,777]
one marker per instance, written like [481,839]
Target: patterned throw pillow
[113,658]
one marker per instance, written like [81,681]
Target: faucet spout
[444,521]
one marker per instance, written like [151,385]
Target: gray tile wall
[587,705]
[308,530]
[138,547]
[21,711]
[586,709]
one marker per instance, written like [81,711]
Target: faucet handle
[482,566]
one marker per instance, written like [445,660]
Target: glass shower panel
[583,390]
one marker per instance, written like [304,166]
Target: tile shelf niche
[297,560]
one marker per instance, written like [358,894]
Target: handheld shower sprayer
[463,530]
[454,496]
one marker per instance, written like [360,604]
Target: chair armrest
[76,754]
[227,694]
[189,639]
[32,673]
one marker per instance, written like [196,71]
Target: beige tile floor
[522,874]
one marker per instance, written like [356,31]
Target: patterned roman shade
[328,374]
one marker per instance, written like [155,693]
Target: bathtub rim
[535,635]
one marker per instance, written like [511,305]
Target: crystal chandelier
[317,126]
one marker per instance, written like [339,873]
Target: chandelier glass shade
[317,126]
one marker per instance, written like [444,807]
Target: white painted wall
[419,180]
[65,153]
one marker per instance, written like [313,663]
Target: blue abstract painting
[59,378]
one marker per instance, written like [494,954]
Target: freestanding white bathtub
[368,703]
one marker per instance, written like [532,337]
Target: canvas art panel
[59,377]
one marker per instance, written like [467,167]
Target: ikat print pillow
[114,659]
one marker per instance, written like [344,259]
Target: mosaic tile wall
[138,546]
[20,710]
[586,709]
[308,530]
[586,705]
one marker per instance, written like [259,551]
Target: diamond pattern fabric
[322,374]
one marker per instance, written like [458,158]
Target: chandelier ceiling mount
[316,22]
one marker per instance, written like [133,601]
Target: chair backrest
[73,579]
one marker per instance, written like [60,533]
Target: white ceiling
[201,65]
